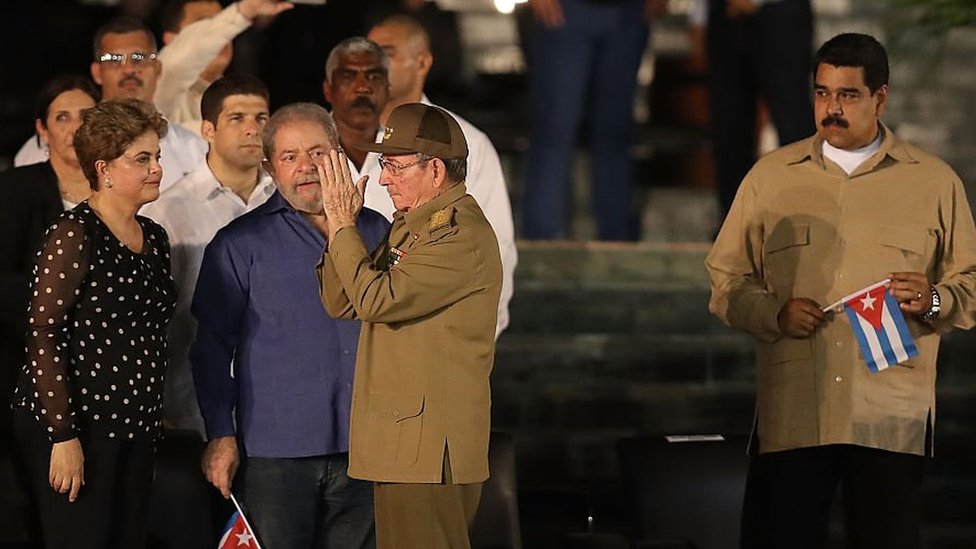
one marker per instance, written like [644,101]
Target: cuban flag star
[237,532]
[879,327]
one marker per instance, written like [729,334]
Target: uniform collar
[416,219]
[891,146]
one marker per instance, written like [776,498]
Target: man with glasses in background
[126,66]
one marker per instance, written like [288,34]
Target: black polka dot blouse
[96,341]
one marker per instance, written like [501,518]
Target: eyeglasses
[136,58]
[395,169]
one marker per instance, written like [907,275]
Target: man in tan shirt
[427,298]
[813,222]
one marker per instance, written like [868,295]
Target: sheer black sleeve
[60,271]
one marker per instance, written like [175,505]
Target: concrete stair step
[626,358]
[610,264]
[644,310]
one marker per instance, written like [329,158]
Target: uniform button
[838,379]
[345,351]
[837,343]
[396,413]
[840,276]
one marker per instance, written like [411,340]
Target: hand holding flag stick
[238,532]
[912,291]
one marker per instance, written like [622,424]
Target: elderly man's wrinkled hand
[219,462]
[341,199]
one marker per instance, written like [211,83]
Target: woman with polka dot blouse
[89,398]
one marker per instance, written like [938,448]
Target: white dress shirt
[180,151]
[192,212]
[180,89]
[485,182]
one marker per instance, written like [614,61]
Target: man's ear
[424,62]
[327,91]
[207,130]
[440,172]
[882,98]
[96,72]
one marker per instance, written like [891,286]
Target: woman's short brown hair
[109,127]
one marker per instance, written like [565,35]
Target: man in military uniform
[427,298]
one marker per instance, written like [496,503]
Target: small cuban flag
[238,533]
[879,326]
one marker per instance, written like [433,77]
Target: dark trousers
[583,72]
[765,55]
[789,496]
[112,506]
[306,503]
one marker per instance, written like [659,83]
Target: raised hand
[253,9]
[341,199]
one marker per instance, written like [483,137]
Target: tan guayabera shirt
[801,227]
[427,342]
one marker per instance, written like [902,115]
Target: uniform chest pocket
[781,253]
[787,236]
[904,248]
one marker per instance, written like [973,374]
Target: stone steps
[613,340]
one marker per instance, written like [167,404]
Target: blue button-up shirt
[269,364]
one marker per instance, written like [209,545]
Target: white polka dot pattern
[95,305]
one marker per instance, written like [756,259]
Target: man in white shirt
[407,44]
[357,88]
[228,184]
[126,66]
[198,37]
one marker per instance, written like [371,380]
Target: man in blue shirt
[273,372]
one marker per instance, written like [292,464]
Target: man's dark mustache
[362,101]
[130,79]
[831,120]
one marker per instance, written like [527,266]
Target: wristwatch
[933,312]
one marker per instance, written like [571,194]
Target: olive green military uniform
[427,299]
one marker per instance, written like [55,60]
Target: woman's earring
[108,183]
